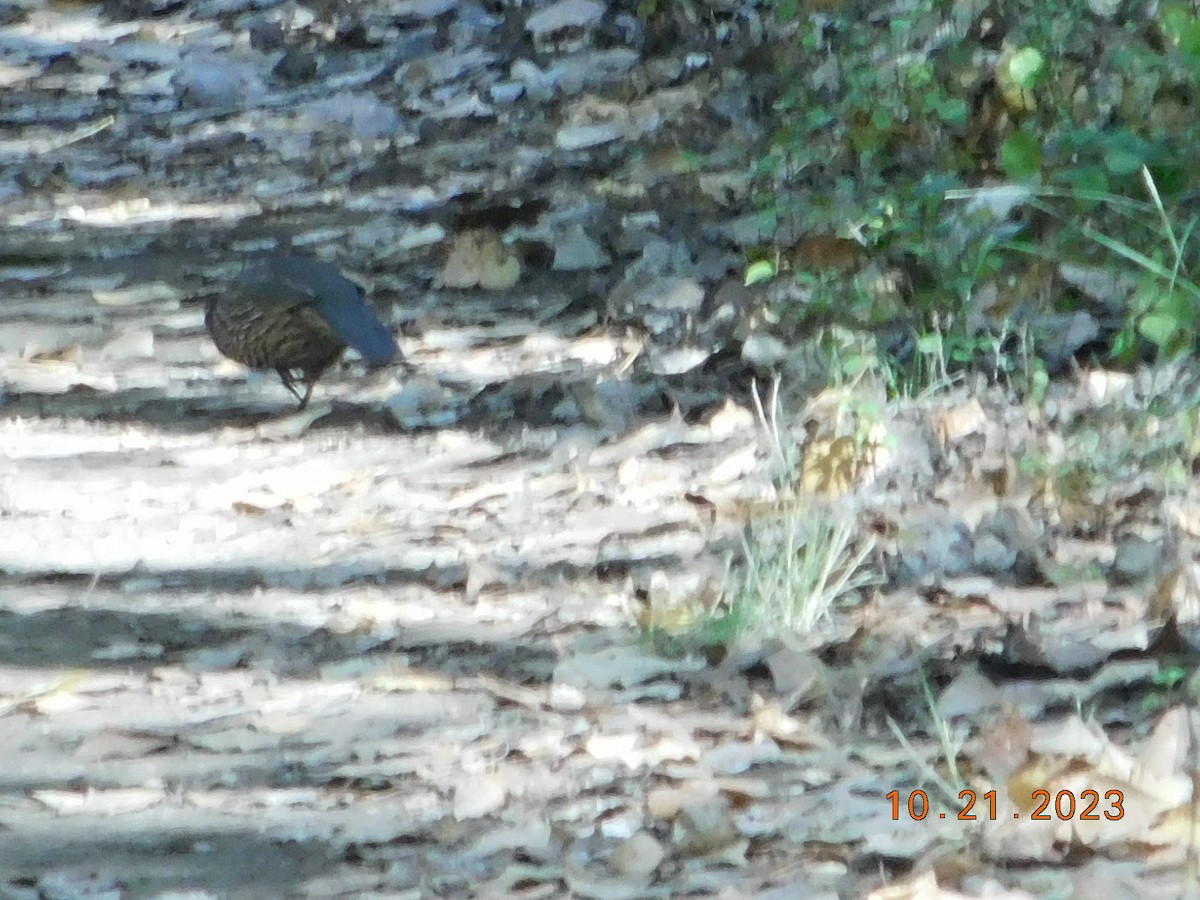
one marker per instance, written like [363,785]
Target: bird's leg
[309,384]
[310,378]
[289,382]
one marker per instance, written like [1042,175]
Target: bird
[296,315]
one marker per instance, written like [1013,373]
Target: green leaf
[865,138]
[1171,180]
[1124,345]
[1026,67]
[951,110]
[1180,26]
[1189,39]
[818,118]
[929,344]
[1021,155]
[1174,18]
[1124,153]
[1159,329]
[1170,675]
[1089,182]
[763,270]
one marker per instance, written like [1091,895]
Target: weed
[796,564]
[951,741]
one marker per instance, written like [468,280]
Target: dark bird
[296,315]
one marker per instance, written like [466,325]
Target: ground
[437,634]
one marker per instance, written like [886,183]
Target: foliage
[951,742]
[1168,683]
[796,563]
[882,115]
[799,556]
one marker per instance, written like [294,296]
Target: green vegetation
[886,119]
[1169,683]
[949,190]
[795,565]
[800,554]
[949,780]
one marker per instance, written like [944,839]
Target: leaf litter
[421,638]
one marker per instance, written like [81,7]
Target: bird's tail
[356,324]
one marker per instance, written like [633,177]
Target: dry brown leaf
[676,604]
[1019,603]
[1069,737]
[706,829]
[149,292]
[1025,781]
[404,680]
[834,466]
[71,353]
[100,802]
[248,509]
[770,719]
[637,856]
[964,420]
[479,795]
[35,700]
[1003,747]
[825,253]
[290,427]
[478,259]
[666,803]
[919,887]
[1177,594]
[1017,98]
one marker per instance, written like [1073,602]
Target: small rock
[506,91]
[677,360]
[441,68]
[608,405]
[565,14]
[992,556]
[265,35]
[367,116]
[764,350]
[1136,558]
[209,79]
[296,66]
[538,83]
[423,403]
[580,137]
[135,344]
[595,69]
[575,250]
[422,9]
[1105,9]
[934,544]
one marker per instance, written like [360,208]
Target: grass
[1164,310]
[795,565]
[796,559]
[950,740]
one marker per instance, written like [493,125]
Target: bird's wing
[339,301]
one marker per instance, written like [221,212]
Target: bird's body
[293,314]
